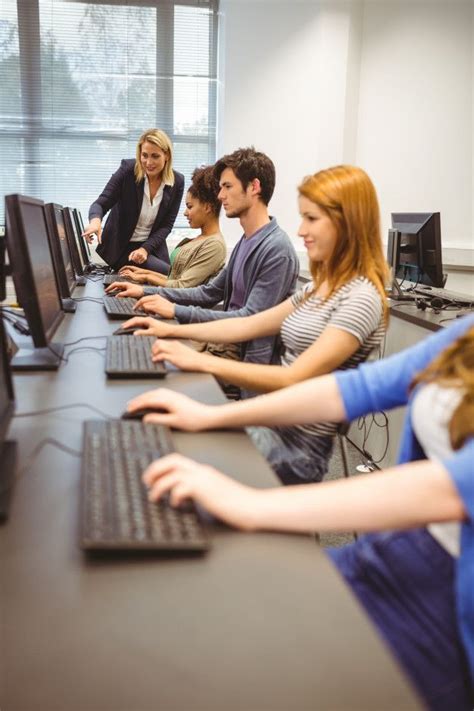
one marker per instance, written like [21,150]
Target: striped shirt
[355,308]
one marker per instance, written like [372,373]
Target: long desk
[262,622]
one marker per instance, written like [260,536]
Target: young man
[262,269]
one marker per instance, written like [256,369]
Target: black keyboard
[110,278]
[115,511]
[121,308]
[130,357]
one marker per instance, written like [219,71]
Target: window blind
[80,81]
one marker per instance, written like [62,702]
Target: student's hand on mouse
[156,304]
[93,228]
[180,355]
[139,256]
[220,495]
[125,289]
[177,410]
[147,326]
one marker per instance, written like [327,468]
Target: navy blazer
[124,196]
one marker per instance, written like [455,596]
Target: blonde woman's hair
[160,139]
[347,195]
[454,367]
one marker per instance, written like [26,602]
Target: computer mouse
[129,331]
[139,414]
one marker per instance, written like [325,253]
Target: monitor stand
[80,281]
[8,457]
[38,358]
[69,306]
[396,294]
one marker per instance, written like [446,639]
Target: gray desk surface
[262,622]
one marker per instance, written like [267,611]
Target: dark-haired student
[262,269]
[193,261]
[414,572]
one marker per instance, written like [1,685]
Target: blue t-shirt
[245,246]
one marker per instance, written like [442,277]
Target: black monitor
[76,254]
[80,229]
[7,449]
[35,284]
[64,272]
[414,248]
[76,237]
[3,289]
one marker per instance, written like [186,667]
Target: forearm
[316,400]
[156,279]
[403,497]
[227,330]
[249,376]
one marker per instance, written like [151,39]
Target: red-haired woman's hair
[347,195]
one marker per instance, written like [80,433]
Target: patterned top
[356,308]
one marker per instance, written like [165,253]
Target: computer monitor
[64,272]
[3,276]
[76,254]
[414,248]
[72,227]
[7,407]
[35,284]
[80,229]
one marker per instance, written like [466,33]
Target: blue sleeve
[461,468]
[385,384]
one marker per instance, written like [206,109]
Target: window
[82,80]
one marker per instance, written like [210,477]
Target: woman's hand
[156,304]
[175,410]
[131,268]
[147,326]
[183,357]
[125,289]
[139,256]
[221,496]
[93,228]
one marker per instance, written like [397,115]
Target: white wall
[386,84]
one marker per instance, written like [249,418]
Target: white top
[433,407]
[148,213]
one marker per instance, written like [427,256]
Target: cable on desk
[84,348]
[84,338]
[70,406]
[87,298]
[36,450]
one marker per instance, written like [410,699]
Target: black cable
[87,298]
[36,450]
[84,348]
[85,338]
[70,406]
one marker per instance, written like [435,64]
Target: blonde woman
[143,196]
[334,322]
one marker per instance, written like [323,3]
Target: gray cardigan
[270,274]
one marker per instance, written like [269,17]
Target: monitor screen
[60,247]
[414,249]
[32,266]
[80,230]
[6,387]
[2,270]
[71,225]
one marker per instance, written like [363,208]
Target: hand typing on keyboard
[156,304]
[149,326]
[180,355]
[183,479]
[123,289]
[177,410]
